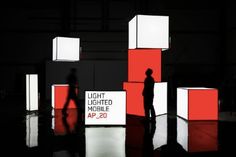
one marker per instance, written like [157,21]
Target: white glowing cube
[31,130]
[160,98]
[148,31]
[31,92]
[105,107]
[197,103]
[105,141]
[135,98]
[66,49]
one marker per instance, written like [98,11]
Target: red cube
[197,103]
[59,96]
[139,60]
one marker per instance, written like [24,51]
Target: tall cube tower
[148,37]
[64,49]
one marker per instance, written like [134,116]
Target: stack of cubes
[65,49]
[148,37]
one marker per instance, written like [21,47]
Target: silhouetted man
[148,95]
[72,91]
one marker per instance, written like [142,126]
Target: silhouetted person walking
[148,95]
[72,91]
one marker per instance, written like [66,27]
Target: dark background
[202,52]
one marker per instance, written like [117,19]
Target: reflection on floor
[62,125]
[51,134]
[160,136]
[32,130]
[103,141]
[197,136]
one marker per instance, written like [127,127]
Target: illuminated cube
[59,96]
[197,103]
[139,60]
[66,49]
[31,92]
[160,98]
[148,31]
[101,141]
[197,136]
[31,130]
[105,107]
[134,100]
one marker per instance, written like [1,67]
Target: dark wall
[92,75]
[202,34]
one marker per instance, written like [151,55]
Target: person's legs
[147,115]
[153,113]
[80,114]
[146,108]
[151,107]
[65,106]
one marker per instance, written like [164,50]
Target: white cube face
[105,142]
[31,130]
[182,102]
[133,33]
[66,49]
[31,92]
[105,107]
[160,98]
[147,31]
[53,96]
